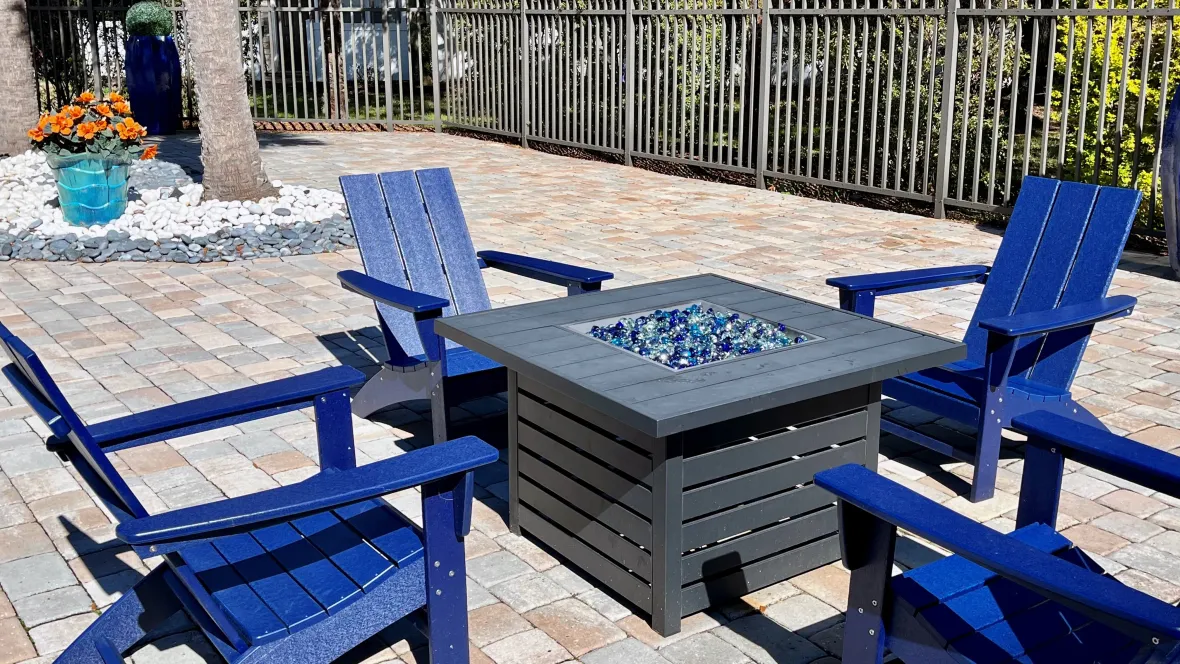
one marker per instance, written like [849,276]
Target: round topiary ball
[149,19]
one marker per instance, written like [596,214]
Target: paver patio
[131,336]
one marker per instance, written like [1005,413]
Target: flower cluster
[102,128]
[696,335]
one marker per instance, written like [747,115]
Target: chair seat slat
[270,581]
[347,550]
[386,529]
[258,623]
[330,587]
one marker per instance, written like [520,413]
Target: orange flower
[104,110]
[85,98]
[44,121]
[61,124]
[130,130]
[114,97]
[36,134]
[101,125]
[150,152]
[122,108]
[74,112]
[87,130]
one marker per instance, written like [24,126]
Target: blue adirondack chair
[421,265]
[301,573]
[1043,296]
[1028,597]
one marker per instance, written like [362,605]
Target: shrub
[149,19]
[94,127]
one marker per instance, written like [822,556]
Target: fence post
[761,139]
[947,124]
[95,60]
[629,73]
[525,46]
[434,60]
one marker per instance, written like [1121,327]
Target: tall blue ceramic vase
[153,82]
[90,191]
[1170,176]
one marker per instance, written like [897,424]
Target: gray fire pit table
[681,489]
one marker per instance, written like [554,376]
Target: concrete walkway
[128,337]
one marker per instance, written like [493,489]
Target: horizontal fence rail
[947,103]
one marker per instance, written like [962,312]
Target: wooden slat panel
[414,236]
[258,623]
[380,253]
[354,556]
[585,528]
[388,531]
[619,580]
[742,550]
[711,378]
[582,411]
[1022,236]
[314,571]
[619,488]
[557,305]
[754,454]
[286,598]
[587,311]
[717,527]
[635,527]
[703,594]
[1101,249]
[743,488]
[798,414]
[454,241]
[587,440]
[739,397]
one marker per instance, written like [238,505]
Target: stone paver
[127,337]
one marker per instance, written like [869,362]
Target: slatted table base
[682,522]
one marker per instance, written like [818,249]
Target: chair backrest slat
[381,256]
[1094,269]
[1013,260]
[412,226]
[468,293]
[1062,246]
[411,233]
[101,475]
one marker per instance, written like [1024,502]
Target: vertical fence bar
[630,74]
[433,16]
[763,129]
[526,120]
[946,123]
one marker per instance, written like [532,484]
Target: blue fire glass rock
[696,335]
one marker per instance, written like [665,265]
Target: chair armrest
[910,280]
[1064,318]
[218,410]
[1100,598]
[386,293]
[1124,458]
[324,491]
[561,274]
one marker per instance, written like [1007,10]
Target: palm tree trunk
[18,113]
[229,146]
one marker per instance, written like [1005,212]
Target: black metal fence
[950,104]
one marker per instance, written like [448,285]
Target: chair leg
[868,548]
[987,448]
[390,387]
[440,408]
[127,621]
[446,571]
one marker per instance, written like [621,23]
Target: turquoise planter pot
[90,191]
